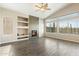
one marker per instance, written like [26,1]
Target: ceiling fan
[42,6]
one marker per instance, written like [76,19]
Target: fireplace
[34,33]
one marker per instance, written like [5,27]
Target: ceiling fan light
[42,6]
[42,9]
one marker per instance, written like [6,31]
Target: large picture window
[69,26]
[65,24]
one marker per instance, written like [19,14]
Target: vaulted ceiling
[29,8]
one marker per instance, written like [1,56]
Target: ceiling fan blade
[37,6]
[46,5]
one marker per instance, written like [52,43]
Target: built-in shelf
[22,28]
[22,22]
[23,35]
[23,39]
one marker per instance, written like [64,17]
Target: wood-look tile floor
[41,47]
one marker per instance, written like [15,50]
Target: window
[48,27]
[69,26]
[65,24]
[51,26]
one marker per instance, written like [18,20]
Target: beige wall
[71,8]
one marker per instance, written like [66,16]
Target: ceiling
[29,8]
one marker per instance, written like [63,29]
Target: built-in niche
[22,28]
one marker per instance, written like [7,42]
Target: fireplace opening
[34,33]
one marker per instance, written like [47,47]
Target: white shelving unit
[22,22]
[22,28]
[23,36]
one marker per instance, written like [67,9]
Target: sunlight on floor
[5,50]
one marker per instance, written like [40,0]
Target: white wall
[41,27]
[68,37]
[35,24]
[4,38]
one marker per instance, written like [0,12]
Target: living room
[39,29]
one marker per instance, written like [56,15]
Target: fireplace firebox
[34,33]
